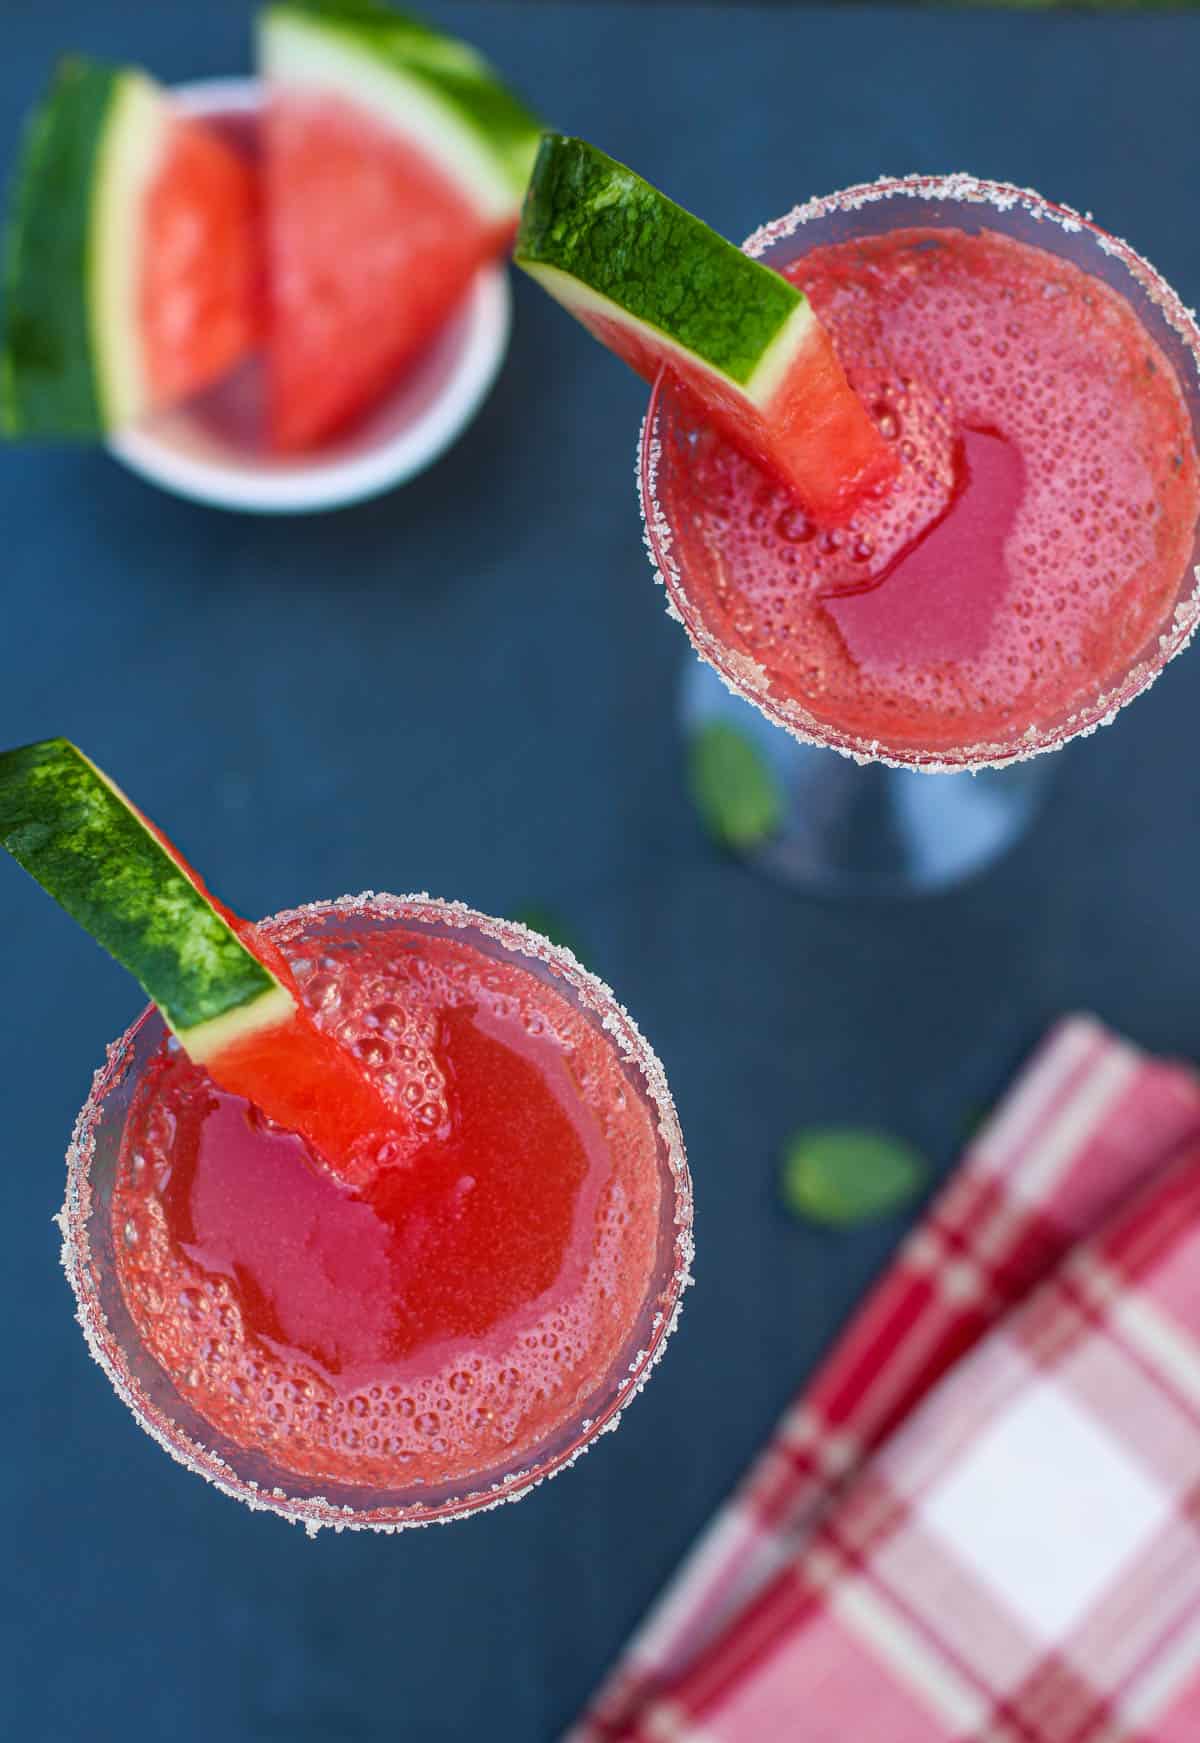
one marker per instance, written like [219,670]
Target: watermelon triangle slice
[133,274]
[657,286]
[225,991]
[395,163]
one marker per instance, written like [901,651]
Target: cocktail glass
[249,1474]
[869,820]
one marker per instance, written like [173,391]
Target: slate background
[469,687]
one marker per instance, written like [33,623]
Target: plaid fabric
[997,1548]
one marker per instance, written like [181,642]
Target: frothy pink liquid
[461,1310]
[1036,539]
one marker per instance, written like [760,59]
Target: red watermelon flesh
[370,248]
[200,291]
[814,435]
[309,1083]
[300,1077]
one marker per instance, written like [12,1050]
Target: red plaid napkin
[997,1544]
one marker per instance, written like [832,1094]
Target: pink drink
[1013,585]
[438,1337]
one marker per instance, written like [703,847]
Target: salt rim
[744,676]
[315,1512]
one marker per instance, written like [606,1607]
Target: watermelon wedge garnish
[395,163]
[132,276]
[657,286]
[224,991]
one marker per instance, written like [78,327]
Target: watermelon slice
[225,992]
[657,286]
[132,271]
[395,163]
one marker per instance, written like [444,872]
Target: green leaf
[838,1176]
[550,925]
[735,791]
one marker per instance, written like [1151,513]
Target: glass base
[871,830]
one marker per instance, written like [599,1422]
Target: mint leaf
[550,925]
[838,1176]
[735,791]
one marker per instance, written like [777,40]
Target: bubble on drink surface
[320,992]
[794,526]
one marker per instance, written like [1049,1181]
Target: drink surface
[464,1306]
[1036,538]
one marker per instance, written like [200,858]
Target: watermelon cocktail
[1031,569]
[1024,569]
[461,1272]
[442,1338]
[1030,572]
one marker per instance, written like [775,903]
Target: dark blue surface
[469,687]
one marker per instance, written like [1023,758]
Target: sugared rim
[315,1512]
[742,674]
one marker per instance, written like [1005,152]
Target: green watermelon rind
[435,88]
[131,152]
[65,822]
[606,243]
[70,354]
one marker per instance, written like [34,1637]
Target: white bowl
[196,452]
